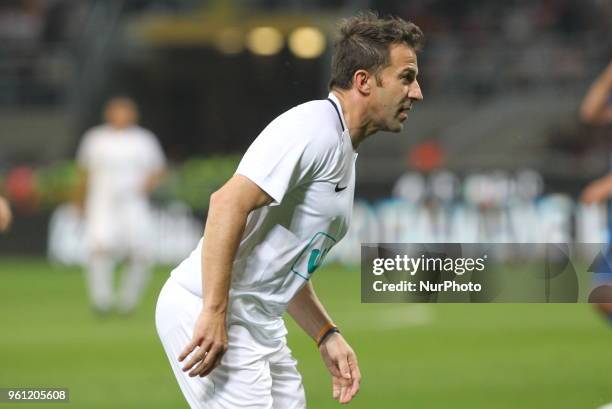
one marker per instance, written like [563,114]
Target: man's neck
[354,111]
[118,128]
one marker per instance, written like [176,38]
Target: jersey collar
[345,135]
[339,105]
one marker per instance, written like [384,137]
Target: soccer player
[121,163]
[596,109]
[219,315]
[5,215]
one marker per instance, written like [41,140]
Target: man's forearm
[224,229]
[307,310]
[594,108]
[5,214]
[227,215]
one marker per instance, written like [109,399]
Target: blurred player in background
[271,225]
[121,164]
[5,215]
[596,109]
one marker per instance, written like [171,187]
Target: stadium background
[498,130]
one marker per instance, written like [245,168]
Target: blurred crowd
[475,50]
[487,47]
[37,49]
[476,47]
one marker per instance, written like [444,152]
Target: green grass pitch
[411,356]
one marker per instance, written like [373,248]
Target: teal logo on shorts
[312,256]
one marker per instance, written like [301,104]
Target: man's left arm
[154,179]
[340,359]
[598,191]
[595,109]
[158,170]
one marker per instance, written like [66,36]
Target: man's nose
[414,92]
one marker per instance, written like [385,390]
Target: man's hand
[5,214]
[210,339]
[597,191]
[153,181]
[341,362]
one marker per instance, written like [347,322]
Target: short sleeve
[278,160]
[85,150]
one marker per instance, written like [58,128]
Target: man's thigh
[287,387]
[241,381]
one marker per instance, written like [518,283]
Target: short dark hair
[364,44]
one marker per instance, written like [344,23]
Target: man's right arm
[227,214]
[80,191]
[595,109]
[5,214]
[83,161]
[598,191]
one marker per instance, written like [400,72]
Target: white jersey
[305,161]
[119,161]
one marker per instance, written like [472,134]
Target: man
[270,226]
[121,163]
[5,215]
[596,110]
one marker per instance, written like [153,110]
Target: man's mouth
[403,111]
[405,108]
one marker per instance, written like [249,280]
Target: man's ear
[363,81]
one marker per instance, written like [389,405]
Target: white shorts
[124,227]
[251,375]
